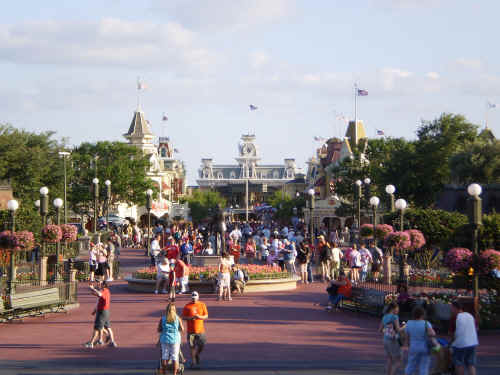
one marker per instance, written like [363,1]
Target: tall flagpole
[355,140]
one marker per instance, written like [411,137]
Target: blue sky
[72,67]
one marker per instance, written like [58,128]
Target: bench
[35,299]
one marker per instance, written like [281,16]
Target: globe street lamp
[149,206]
[311,193]
[95,181]
[108,202]
[475,220]
[367,183]
[390,189]
[64,155]
[374,202]
[401,206]
[12,206]
[359,193]
[44,210]
[58,203]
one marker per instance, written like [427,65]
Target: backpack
[377,259]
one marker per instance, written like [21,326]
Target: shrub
[458,259]
[52,233]
[397,240]
[366,231]
[491,260]
[69,232]
[383,230]
[417,239]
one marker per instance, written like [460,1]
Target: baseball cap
[195,295]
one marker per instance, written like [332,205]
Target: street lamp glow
[401,204]
[374,201]
[58,203]
[37,203]
[44,190]
[12,205]
[149,192]
[311,192]
[474,190]
[359,182]
[367,181]
[95,180]
[390,189]
[107,182]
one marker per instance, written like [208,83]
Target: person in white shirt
[465,341]
[155,250]
[335,261]
[162,271]
[235,235]
[355,262]
[366,260]
[92,262]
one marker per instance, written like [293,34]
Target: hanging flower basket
[397,240]
[366,231]
[490,260]
[25,240]
[382,230]
[52,233]
[8,240]
[458,259]
[69,233]
[417,239]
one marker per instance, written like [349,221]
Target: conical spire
[139,126]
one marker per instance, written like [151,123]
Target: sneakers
[99,342]
[88,345]
[113,344]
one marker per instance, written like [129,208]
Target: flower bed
[255,272]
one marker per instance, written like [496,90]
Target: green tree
[202,202]
[124,165]
[29,161]
[285,205]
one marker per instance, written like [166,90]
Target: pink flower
[397,240]
[383,230]
[69,232]
[417,238]
[52,233]
[491,259]
[458,259]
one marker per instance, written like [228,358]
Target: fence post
[387,269]
[43,270]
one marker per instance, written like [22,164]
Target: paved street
[261,333]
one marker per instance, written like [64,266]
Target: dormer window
[163,152]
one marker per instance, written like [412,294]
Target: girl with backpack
[392,341]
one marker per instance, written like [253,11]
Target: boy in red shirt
[102,314]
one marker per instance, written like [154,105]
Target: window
[276,174]
[233,175]
[219,175]
[163,152]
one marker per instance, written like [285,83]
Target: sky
[72,67]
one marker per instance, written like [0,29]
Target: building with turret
[165,170]
[233,181]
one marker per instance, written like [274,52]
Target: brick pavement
[283,330]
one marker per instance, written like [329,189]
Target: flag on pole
[380,132]
[253,107]
[491,105]
[362,92]
[164,117]
[141,85]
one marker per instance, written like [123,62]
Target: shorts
[102,320]
[101,269]
[392,349]
[303,267]
[170,351]
[464,356]
[239,284]
[162,276]
[356,267]
[225,280]
[196,340]
[92,267]
[376,267]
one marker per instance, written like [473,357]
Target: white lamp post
[108,201]
[401,206]
[311,194]
[374,202]
[12,206]
[64,155]
[95,181]
[475,220]
[149,206]
[390,189]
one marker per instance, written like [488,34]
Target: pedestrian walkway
[261,333]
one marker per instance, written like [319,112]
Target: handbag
[432,344]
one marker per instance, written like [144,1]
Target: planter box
[207,287]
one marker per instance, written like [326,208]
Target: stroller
[180,371]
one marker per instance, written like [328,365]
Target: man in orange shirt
[195,313]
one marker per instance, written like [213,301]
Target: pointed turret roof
[355,132]
[139,126]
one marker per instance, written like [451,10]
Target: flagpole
[487,112]
[355,103]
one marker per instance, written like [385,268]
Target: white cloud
[408,4]
[433,75]
[109,41]
[258,59]
[391,77]
[469,63]
[224,14]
